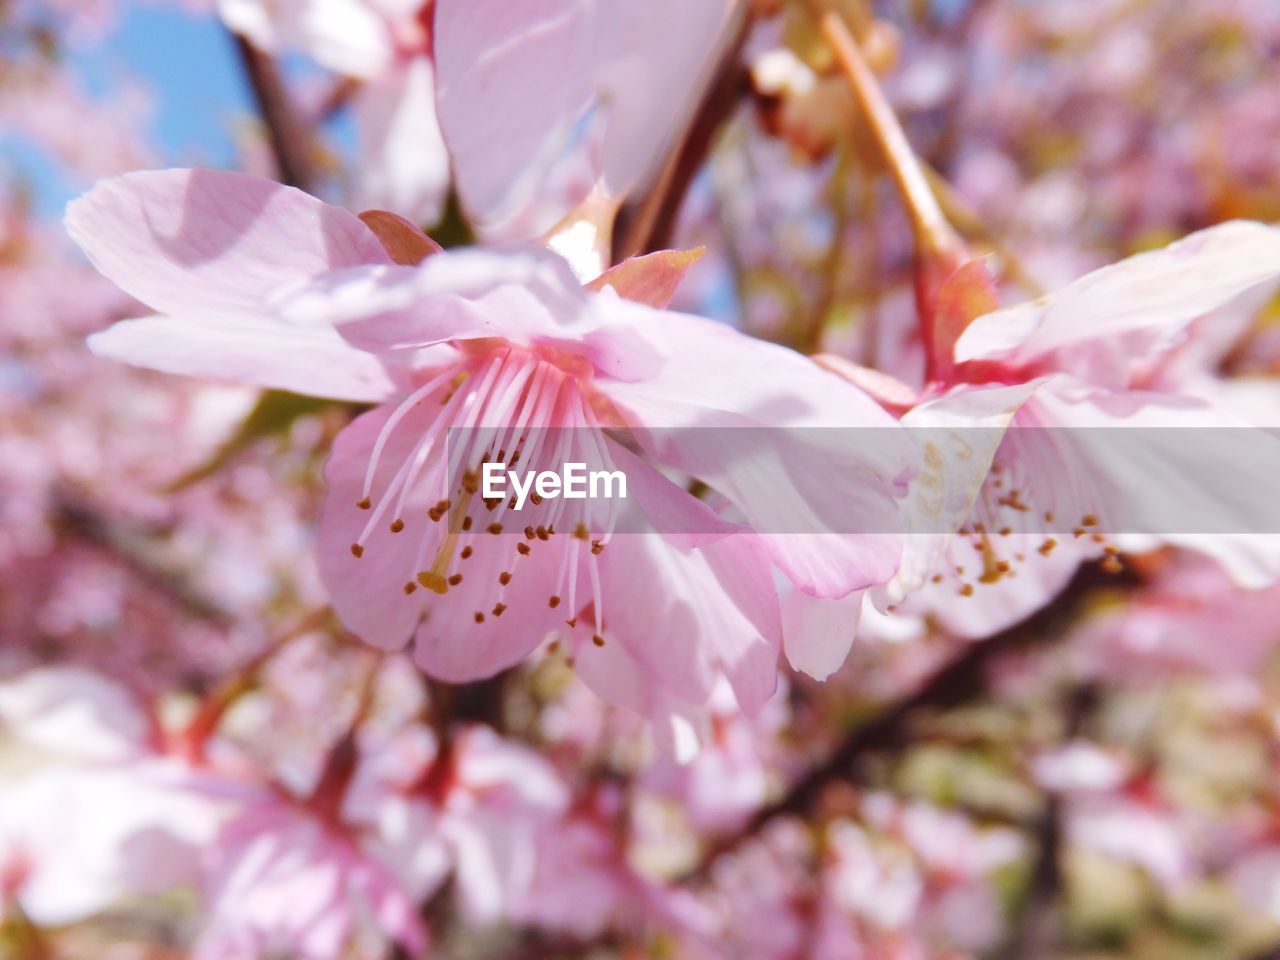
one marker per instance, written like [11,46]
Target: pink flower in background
[1017,393]
[385,47]
[282,879]
[511,351]
[101,811]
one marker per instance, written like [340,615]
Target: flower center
[508,408]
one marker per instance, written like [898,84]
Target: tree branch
[961,680]
[289,137]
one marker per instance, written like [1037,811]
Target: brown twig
[932,230]
[289,137]
[1038,925]
[959,681]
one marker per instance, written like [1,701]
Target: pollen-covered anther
[597,548]
[966,590]
[597,640]
[466,552]
[433,582]
[470,482]
[553,602]
[529,533]
[479,617]
[542,533]
[364,504]
[466,522]
[397,525]
[504,577]
[357,551]
[498,609]
[523,549]
[494,528]
[1112,565]
[1013,500]
[455,580]
[1046,548]
[409,587]
[1088,520]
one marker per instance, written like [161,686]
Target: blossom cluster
[933,350]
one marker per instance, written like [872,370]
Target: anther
[523,549]
[1046,548]
[494,528]
[455,580]
[597,547]
[529,533]
[553,602]
[357,551]
[479,617]
[364,504]
[466,522]
[466,552]
[542,533]
[397,525]
[497,610]
[966,590]
[433,582]
[598,640]
[504,577]
[1089,520]
[410,587]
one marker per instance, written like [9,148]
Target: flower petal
[817,634]
[1097,325]
[815,466]
[314,361]
[207,242]
[403,162]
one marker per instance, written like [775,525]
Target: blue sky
[189,65]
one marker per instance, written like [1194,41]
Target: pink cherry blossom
[512,350]
[1056,374]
